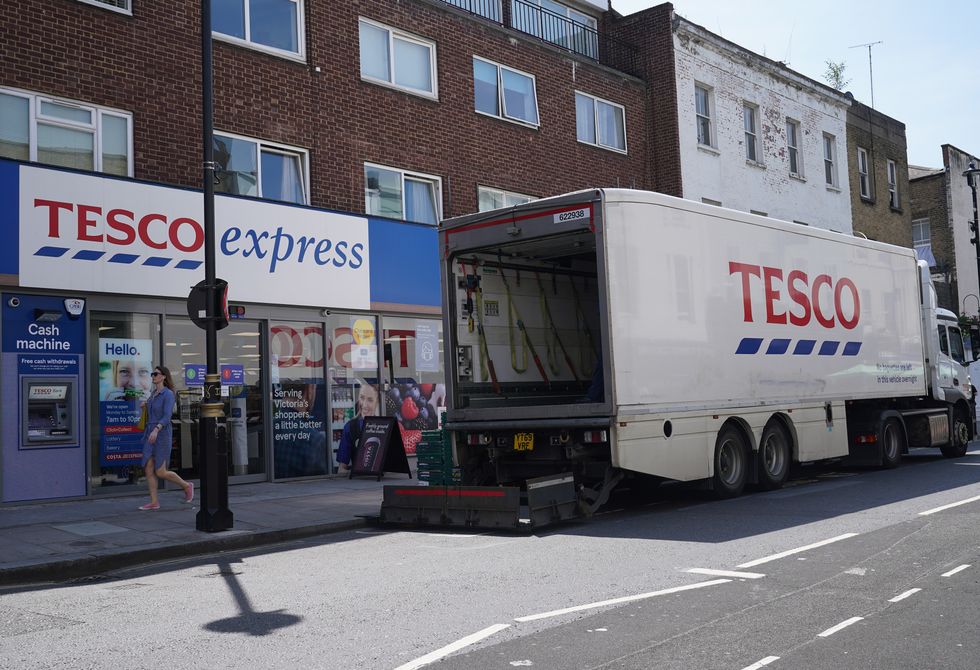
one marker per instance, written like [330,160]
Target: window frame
[891,172]
[299,55]
[412,174]
[500,95]
[276,148]
[864,176]
[595,116]
[922,223]
[34,101]
[830,162]
[405,36]
[751,111]
[707,116]
[128,11]
[480,189]
[794,150]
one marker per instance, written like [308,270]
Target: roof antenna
[870,67]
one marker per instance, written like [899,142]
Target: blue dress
[160,408]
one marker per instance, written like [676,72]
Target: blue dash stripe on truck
[852,349]
[778,346]
[829,348]
[804,347]
[749,345]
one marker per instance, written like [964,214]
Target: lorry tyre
[960,437]
[731,463]
[774,457]
[892,443]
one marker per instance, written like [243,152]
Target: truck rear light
[474,439]
[866,439]
[595,436]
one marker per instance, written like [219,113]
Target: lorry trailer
[613,334]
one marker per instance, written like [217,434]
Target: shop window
[494,198]
[390,56]
[600,122]
[71,134]
[353,354]
[241,365]
[269,25]
[124,348]
[398,194]
[261,169]
[414,370]
[299,400]
[503,92]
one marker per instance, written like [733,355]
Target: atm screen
[47,392]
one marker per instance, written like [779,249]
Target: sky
[926,69]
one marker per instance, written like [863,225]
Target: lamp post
[214,514]
[971,178]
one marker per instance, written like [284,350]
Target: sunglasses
[156,374]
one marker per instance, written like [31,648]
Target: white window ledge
[709,150]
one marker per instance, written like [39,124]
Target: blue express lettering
[281,246]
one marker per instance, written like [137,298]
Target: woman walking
[158,438]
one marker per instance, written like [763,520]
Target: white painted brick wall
[724,175]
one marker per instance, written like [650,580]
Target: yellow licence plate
[524,442]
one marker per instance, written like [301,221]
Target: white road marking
[790,552]
[455,646]
[966,464]
[761,664]
[944,507]
[617,601]
[843,624]
[952,572]
[726,573]
[903,596]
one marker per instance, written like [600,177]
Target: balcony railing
[488,9]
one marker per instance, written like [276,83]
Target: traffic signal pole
[214,514]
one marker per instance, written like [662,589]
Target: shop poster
[124,383]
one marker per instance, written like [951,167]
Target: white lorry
[618,333]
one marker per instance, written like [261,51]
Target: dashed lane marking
[903,596]
[455,646]
[726,573]
[842,625]
[761,664]
[619,601]
[790,552]
[949,506]
[952,572]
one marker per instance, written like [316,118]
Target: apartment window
[503,92]
[600,122]
[864,175]
[392,57]
[261,169]
[121,6]
[922,241]
[893,185]
[702,105]
[34,127]
[270,25]
[558,24]
[750,120]
[793,147]
[398,194]
[830,159]
[494,198]
[489,9]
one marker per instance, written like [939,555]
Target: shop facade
[332,313]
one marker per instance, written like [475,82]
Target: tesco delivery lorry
[617,333]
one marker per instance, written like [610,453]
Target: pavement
[62,540]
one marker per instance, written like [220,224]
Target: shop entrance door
[241,364]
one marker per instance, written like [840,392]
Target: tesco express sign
[84,232]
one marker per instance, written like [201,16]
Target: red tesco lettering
[806,299]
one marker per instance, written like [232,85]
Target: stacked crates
[434,454]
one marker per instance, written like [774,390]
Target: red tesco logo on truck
[804,296]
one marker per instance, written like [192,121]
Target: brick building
[877,156]
[942,209]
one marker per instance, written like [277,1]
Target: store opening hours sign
[86,232]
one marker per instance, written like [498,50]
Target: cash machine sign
[524,442]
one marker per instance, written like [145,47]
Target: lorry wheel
[960,437]
[731,463]
[774,457]
[892,442]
